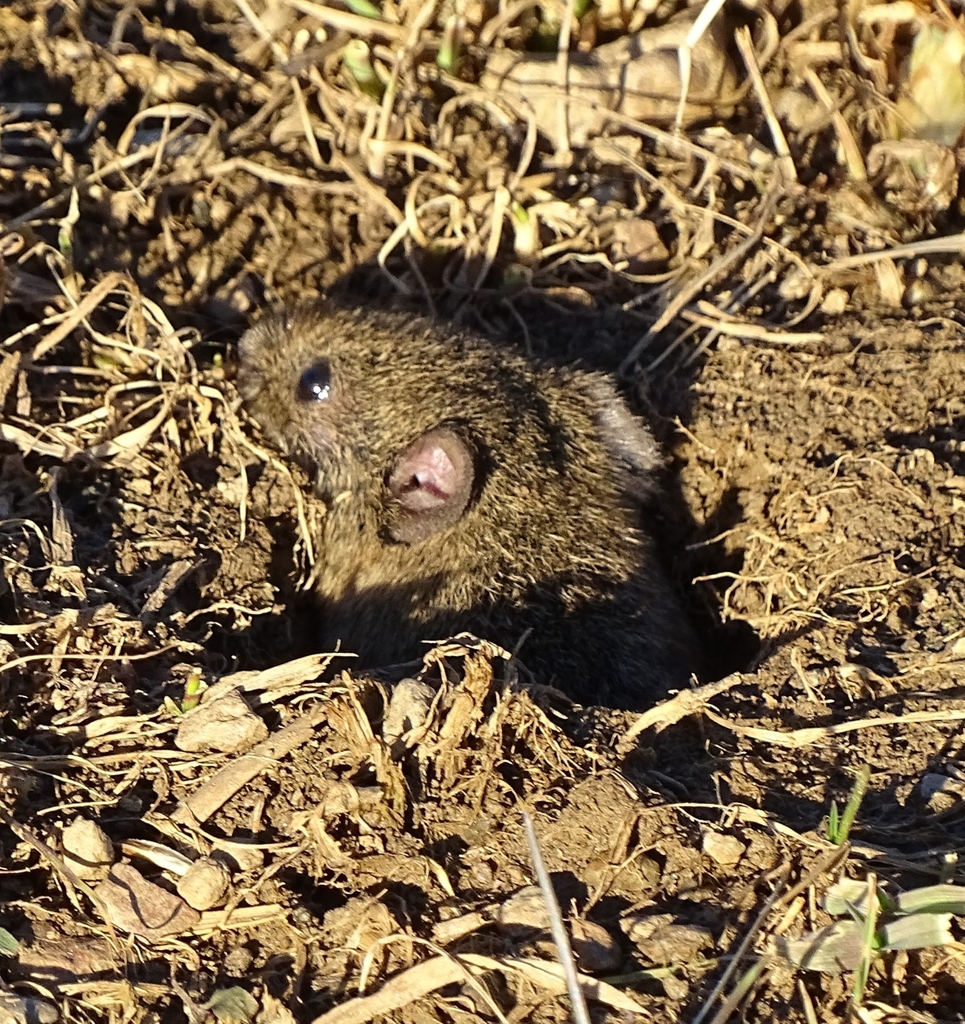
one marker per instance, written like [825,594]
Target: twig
[708,12]
[202,802]
[927,246]
[852,154]
[785,162]
[580,1013]
[735,329]
[564,155]
[814,734]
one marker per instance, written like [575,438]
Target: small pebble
[135,905]
[835,302]
[663,942]
[226,724]
[205,884]
[724,850]
[596,951]
[87,850]
[238,961]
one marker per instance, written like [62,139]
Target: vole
[469,487]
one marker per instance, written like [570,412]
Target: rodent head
[469,487]
[335,389]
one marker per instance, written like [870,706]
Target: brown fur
[550,541]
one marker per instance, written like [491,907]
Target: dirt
[376,855]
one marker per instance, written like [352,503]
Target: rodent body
[471,488]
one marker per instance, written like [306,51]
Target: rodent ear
[626,436]
[431,484]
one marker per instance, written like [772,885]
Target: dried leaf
[933,899]
[917,931]
[233,1004]
[831,950]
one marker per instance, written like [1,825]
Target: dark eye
[315,384]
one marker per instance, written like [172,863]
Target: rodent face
[328,389]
